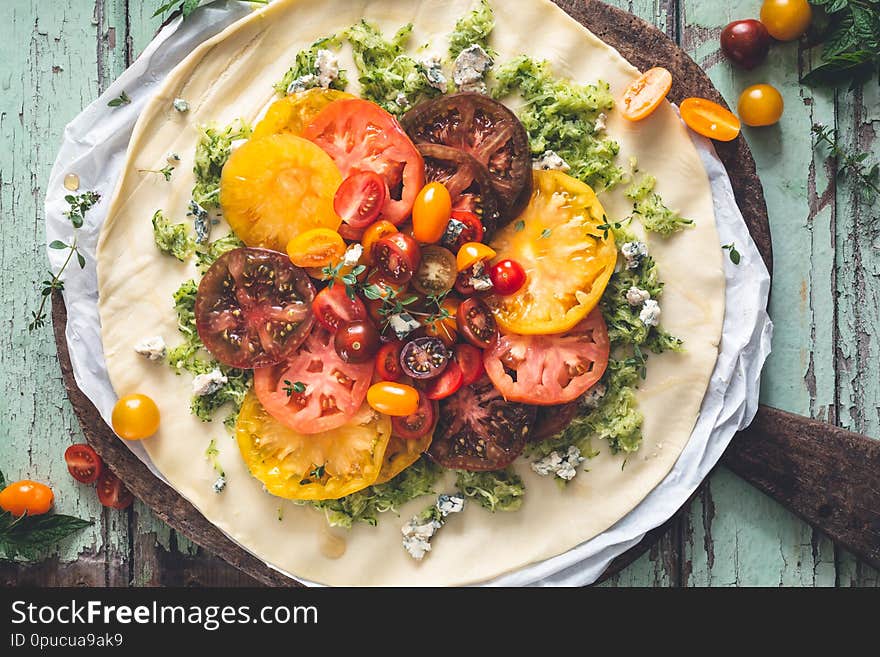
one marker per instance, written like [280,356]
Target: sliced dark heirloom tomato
[549,369]
[485,129]
[550,420]
[359,135]
[436,273]
[466,179]
[332,390]
[479,431]
[476,323]
[253,308]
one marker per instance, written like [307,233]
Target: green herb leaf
[734,255]
[30,536]
[519,225]
[546,233]
[57,244]
[120,100]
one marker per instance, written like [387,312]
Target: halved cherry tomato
[431,213]
[394,399]
[507,277]
[396,257]
[359,135]
[135,417]
[446,384]
[26,496]
[436,273]
[417,424]
[709,119]
[472,231]
[470,360]
[112,492]
[374,233]
[333,307]
[444,325]
[760,105]
[317,247]
[315,390]
[388,361]
[471,253]
[357,341]
[786,20]
[360,198]
[476,322]
[644,95]
[549,369]
[83,463]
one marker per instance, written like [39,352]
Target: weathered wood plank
[858,293]
[47,72]
[736,535]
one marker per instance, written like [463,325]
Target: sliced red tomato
[315,390]
[83,463]
[360,198]
[112,492]
[446,384]
[470,360]
[413,427]
[549,369]
[333,307]
[360,136]
[388,361]
[253,308]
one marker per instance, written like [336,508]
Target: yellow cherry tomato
[786,20]
[760,105]
[374,233]
[709,119]
[473,252]
[397,399]
[644,95]
[135,417]
[431,213]
[26,496]
[317,247]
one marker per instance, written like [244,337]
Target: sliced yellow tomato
[567,257]
[316,466]
[274,188]
[401,454]
[293,113]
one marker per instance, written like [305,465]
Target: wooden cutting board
[641,44]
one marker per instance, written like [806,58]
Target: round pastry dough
[231,76]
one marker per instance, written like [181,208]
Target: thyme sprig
[166,171]
[865,175]
[79,206]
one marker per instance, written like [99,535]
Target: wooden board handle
[828,476]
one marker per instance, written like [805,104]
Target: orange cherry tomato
[644,95]
[395,399]
[471,253]
[710,119]
[26,496]
[317,247]
[374,233]
[135,417]
[445,328]
[431,213]
[760,105]
[786,20]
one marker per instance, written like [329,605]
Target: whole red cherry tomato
[507,277]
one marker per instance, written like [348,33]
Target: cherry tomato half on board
[112,492]
[83,463]
[644,96]
[710,119]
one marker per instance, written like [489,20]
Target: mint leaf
[29,536]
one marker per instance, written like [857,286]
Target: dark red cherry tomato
[396,257]
[746,42]
[476,323]
[360,198]
[388,361]
[424,358]
[446,384]
[333,307]
[470,361]
[507,277]
[413,427]
[357,341]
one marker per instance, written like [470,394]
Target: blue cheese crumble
[207,384]
[434,74]
[421,528]
[152,348]
[650,314]
[563,466]
[180,105]
[201,222]
[636,296]
[326,72]
[633,252]
[470,69]
[219,483]
[403,324]
[550,161]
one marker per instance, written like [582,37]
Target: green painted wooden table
[56,57]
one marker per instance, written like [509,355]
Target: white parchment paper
[94,146]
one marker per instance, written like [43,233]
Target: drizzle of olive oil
[332,546]
[71,182]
